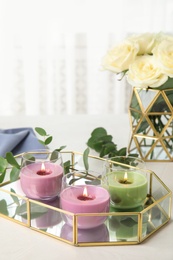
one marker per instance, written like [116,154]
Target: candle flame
[43,167]
[125,176]
[85,192]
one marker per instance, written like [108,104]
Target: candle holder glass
[82,193]
[126,180]
[41,174]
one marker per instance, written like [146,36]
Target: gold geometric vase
[151,121]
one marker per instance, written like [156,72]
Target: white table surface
[21,243]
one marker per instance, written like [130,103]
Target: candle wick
[43,172]
[125,181]
[84,198]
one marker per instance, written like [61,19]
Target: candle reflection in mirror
[126,228]
[98,234]
[42,217]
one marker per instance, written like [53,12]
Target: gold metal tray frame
[120,228]
[146,107]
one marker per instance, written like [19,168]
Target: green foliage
[3,167]
[61,148]
[40,131]
[159,106]
[15,198]
[84,173]
[36,210]
[47,139]
[166,85]
[14,174]
[103,143]
[85,159]
[3,207]
[11,160]
[53,156]
[127,160]
[67,166]
[15,170]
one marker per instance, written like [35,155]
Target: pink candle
[41,184]
[97,200]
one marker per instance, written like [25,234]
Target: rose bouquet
[146,60]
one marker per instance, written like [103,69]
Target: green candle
[128,189]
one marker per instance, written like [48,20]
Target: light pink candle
[97,201]
[41,184]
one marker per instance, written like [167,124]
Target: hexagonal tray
[120,228]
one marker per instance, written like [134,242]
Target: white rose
[144,72]
[146,42]
[164,54]
[120,57]
[162,36]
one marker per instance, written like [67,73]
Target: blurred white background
[51,51]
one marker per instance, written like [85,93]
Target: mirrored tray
[119,228]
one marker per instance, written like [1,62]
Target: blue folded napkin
[18,140]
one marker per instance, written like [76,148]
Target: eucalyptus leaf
[11,160]
[61,148]
[2,176]
[54,156]
[29,156]
[73,180]
[105,138]
[40,131]
[3,167]
[85,158]
[14,174]
[3,207]
[15,198]
[143,126]
[67,166]
[91,142]
[98,132]
[36,210]
[167,85]
[41,141]
[128,222]
[109,148]
[102,142]
[97,146]
[103,152]
[3,164]
[48,140]
[122,151]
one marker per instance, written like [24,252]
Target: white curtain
[51,51]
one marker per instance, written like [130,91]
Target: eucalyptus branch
[47,139]
[82,174]
[103,143]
